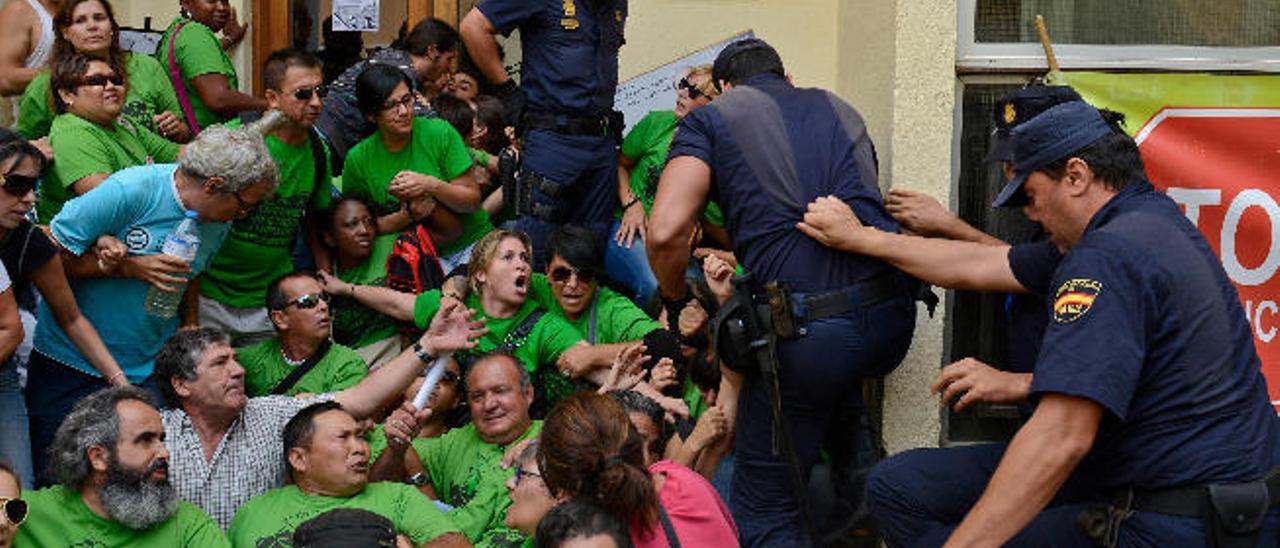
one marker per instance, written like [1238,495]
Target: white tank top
[40,54]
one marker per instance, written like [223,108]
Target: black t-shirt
[24,251]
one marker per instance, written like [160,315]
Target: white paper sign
[655,90]
[355,15]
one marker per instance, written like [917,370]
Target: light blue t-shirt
[139,206]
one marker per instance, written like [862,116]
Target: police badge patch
[1074,299]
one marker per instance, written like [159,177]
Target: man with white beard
[112,471]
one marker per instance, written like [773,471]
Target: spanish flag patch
[1074,299]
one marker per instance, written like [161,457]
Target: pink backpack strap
[175,76]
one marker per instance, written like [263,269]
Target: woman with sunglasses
[498,278]
[206,83]
[640,163]
[349,232]
[13,510]
[89,138]
[591,451]
[89,27]
[414,169]
[31,258]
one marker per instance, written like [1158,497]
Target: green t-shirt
[82,148]
[551,335]
[617,319]
[270,518]
[259,247]
[149,94]
[434,149]
[57,516]
[197,52]
[264,368]
[467,474]
[647,143]
[355,324]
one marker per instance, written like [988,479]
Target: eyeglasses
[562,274]
[101,80]
[688,86]
[305,94]
[449,377]
[308,301]
[242,207]
[521,473]
[406,102]
[18,185]
[15,510]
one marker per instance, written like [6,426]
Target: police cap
[1052,134]
[1020,106]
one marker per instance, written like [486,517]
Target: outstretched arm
[947,263]
[680,197]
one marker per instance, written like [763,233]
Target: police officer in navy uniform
[1152,424]
[763,150]
[563,105]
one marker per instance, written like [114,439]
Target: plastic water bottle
[182,243]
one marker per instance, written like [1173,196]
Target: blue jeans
[15,439]
[587,167]
[821,373]
[919,497]
[52,390]
[630,267]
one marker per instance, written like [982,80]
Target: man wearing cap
[763,150]
[563,107]
[1152,424]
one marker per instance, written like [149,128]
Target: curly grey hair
[238,155]
[179,357]
[93,421]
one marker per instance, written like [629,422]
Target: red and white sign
[1223,166]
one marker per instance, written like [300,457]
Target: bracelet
[422,353]
[633,201]
[113,377]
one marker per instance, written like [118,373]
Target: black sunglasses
[15,510]
[561,275]
[521,473]
[688,86]
[310,300]
[101,80]
[18,185]
[305,94]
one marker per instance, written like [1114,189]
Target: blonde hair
[485,251]
[707,87]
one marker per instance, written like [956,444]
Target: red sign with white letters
[1222,165]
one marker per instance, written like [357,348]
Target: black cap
[345,528]
[1020,106]
[720,67]
[1053,134]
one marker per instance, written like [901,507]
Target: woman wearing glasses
[640,163]
[414,169]
[89,27]
[206,83]
[498,278]
[29,257]
[13,510]
[89,137]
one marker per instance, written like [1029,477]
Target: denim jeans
[15,439]
[630,267]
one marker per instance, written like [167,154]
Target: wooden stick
[1044,42]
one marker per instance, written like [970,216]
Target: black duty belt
[1189,501]
[569,125]
[831,303]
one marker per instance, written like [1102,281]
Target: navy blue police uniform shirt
[1145,322]
[1033,264]
[765,238]
[570,50]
